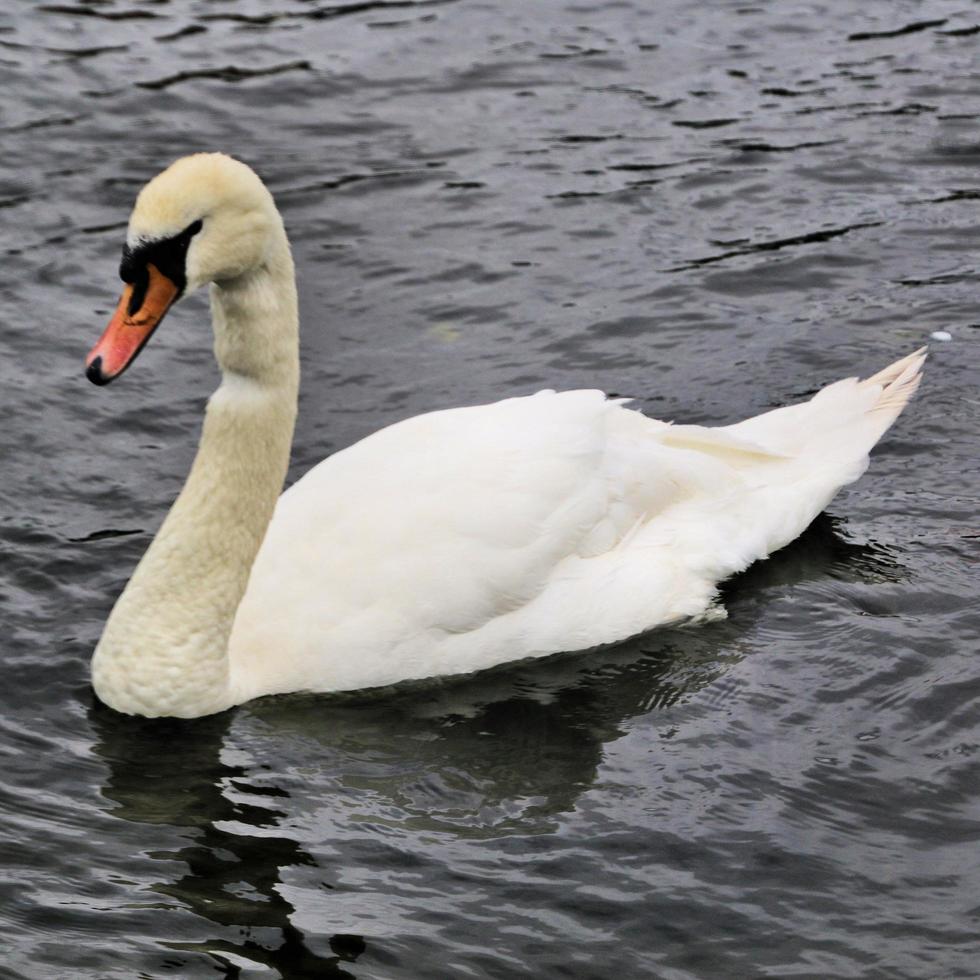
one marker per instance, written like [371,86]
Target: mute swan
[445,543]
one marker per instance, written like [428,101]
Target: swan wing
[460,538]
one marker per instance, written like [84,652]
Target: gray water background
[712,208]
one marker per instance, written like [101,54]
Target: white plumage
[462,539]
[449,542]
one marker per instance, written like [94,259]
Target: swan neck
[256,321]
[164,650]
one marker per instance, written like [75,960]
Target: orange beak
[128,331]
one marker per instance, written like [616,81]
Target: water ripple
[710,209]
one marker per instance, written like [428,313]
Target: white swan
[443,544]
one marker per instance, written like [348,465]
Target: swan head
[206,218]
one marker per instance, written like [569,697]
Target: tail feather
[847,417]
[899,382]
[826,442]
[893,371]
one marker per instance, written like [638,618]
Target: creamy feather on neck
[164,648]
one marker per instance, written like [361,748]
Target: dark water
[712,207]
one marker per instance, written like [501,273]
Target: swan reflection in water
[306,788]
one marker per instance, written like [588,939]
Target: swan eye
[167,254]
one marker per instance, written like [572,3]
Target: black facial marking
[167,254]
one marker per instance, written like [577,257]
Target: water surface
[712,208]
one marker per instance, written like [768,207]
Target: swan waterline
[443,544]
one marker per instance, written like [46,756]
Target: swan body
[442,544]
